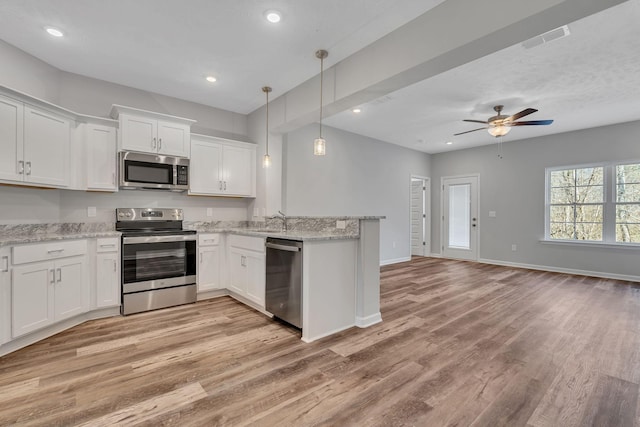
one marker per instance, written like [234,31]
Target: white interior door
[460,217]
[418,217]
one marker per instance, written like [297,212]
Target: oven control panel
[148,214]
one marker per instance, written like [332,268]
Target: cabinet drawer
[208,239]
[108,244]
[247,242]
[50,250]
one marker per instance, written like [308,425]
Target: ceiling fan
[500,124]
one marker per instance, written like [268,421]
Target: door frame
[442,179]
[427,212]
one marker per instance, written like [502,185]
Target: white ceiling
[590,78]
[170,46]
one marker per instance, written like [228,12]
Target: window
[628,203]
[597,203]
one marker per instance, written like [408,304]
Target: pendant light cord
[321,78]
[267,121]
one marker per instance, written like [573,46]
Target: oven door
[157,262]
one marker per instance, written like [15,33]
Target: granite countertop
[33,233]
[301,235]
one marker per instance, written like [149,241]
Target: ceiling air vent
[556,34]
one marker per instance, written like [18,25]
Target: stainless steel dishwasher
[284,280]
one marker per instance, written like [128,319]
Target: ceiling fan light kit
[501,124]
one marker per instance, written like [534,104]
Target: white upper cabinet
[100,146]
[155,133]
[11,127]
[35,144]
[222,167]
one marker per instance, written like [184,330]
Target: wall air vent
[556,34]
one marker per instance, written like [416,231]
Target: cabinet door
[107,280]
[70,288]
[256,271]
[139,134]
[237,271]
[46,148]
[5,296]
[11,138]
[209,268]
[238,170]
[173,139]
[205,168]
[32,297]
[100,143]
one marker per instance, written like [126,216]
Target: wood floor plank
[461,344]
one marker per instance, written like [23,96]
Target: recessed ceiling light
[211,79]
[449,142]
[54,32]
[356,110]
[273,16]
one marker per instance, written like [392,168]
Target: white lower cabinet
[209,262]
[47,292]
[107,273]
[247,268]
[5,296]
[49,284]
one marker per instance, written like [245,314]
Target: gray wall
[514,187]
[358,176]
[85,95]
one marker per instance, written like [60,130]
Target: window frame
[609,205]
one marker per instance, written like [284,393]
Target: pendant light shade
[319,145]
[266,160]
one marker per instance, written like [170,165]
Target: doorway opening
[460,217]
[420,218]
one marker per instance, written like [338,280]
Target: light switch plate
[492,214]
[341,224]
[209,211]
[91,211]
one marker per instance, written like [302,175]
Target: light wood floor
[461,344]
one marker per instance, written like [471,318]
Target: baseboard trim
[562,270]
[365,322]
[394,261]
[326,334]
[434,255]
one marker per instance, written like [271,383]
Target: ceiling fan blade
[462,133]
[521,114]
[476,121]
[533,123]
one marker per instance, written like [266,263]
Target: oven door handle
[157,239]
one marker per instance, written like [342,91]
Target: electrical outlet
[341,224]
[91,211]
[209,211]
[255,212]
[492,214]
[394,244]
[514,248]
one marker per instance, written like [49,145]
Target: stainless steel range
[158,259]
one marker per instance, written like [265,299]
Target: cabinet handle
[28,168]
[113,178]
[225,185]
[108,246]
[20,167]
[114,266]
[54,251]
[59,275]
[159,143]
[200,257]
[53,276]
[243,261]
[5,262]
[153,144]
[220,184]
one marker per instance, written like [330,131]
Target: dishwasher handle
[283,247]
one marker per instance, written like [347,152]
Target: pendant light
[266,160]
[319,145]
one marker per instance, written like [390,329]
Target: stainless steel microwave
[153,172]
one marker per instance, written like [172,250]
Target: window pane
[628,193]
[563,178]
[628,214]
[589,231]
[561,214]
[590,176]
[628,233]
[589,213]
[590,194]
[561,231]
[628,174]
[459,216]
[563,195]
